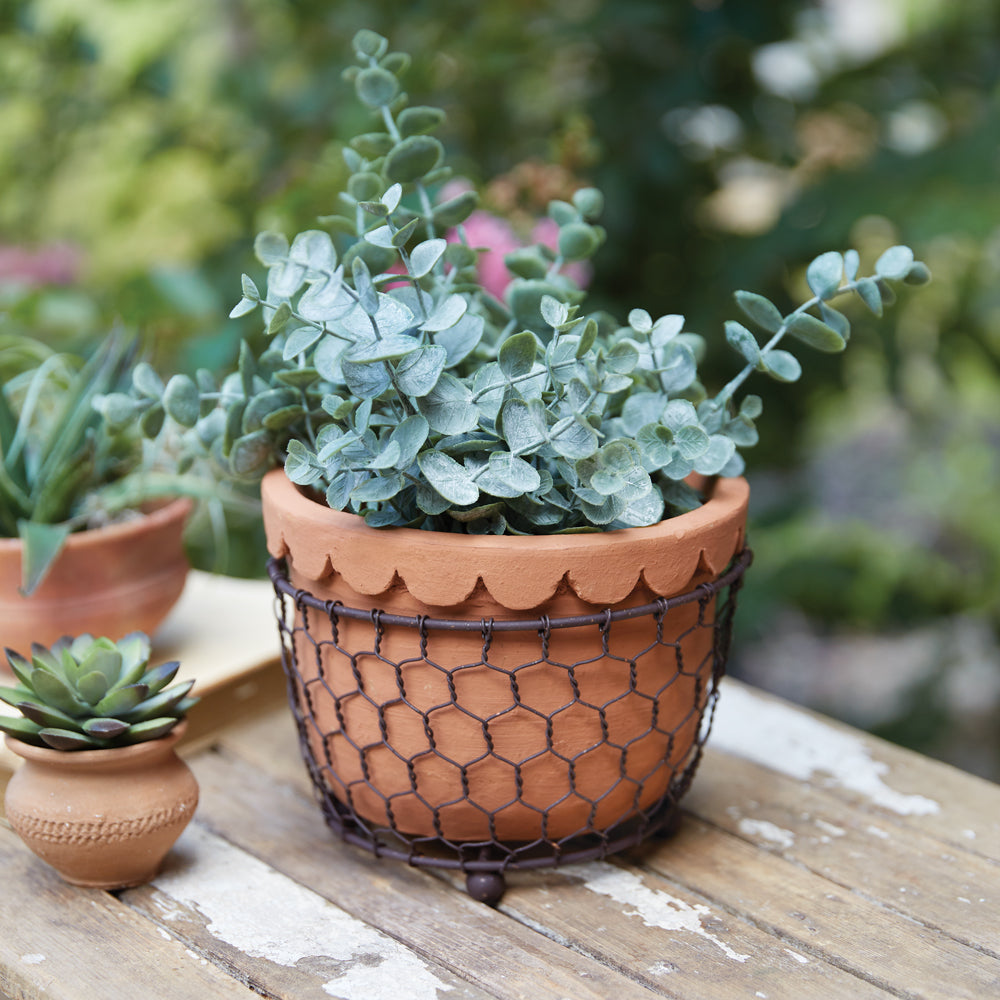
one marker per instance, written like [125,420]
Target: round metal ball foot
[485,887]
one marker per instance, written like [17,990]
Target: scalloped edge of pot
[519,573]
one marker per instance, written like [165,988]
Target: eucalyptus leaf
[868,290]
[326,300]
[300,340]
[461,339]
[418,372]
[742,340]
[381,237]
[679,369]
[517,354]
[781,365]
[271,248]
[448,478]
[251,455]
[366,381]
[520,426]
[817,334]
[314,249]
[446,314]
[507,475]
[387,349]
[761,310]
[182,400]
[284,280]
[825,273]
[413,158]
[425,256]
[895,263]
[574,439]
[378,489]
[640,321]
[448,407]
[716,456]
[419,120]
[409,435]
[692,442]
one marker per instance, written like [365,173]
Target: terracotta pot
[102,818]
[448,739]
[109,581]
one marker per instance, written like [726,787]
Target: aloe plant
[64,466]
[88,694]
[56,450]
[399,389]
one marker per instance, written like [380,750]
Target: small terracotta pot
[102,818]
[447,739]
[109,581]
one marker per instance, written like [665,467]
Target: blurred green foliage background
[144,142]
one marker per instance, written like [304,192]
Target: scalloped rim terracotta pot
[104,819]
[495,745]
[108,581]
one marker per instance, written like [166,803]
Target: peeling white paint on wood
[767,831]
[791,742]
[33,959]
[829,828]
[655,907]
[662,969]
[801,959]
[293,925]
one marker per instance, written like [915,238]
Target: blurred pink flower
[483,229]
[56,264]
[495,237]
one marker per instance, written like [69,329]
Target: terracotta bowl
[450,739]
[109,581]
[102,818]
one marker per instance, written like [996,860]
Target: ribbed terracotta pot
[102,818]
[450,740]
[109,581]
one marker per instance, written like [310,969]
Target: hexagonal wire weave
[355,705]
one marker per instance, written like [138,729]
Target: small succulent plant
[88,694]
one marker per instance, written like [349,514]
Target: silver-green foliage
[87,694]
[397,387]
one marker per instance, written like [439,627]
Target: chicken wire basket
[491,745]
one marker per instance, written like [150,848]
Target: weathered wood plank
[58,942]
[281,826]
[901,868]
[822,920]
[884,850]
[675,940]
[687,954]
[895,785]
[279,937]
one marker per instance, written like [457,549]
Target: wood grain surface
[847,868]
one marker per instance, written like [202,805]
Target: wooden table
[813,862]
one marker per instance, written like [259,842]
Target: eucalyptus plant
[88,694]
[398,388]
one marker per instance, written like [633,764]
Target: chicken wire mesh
[488,745]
